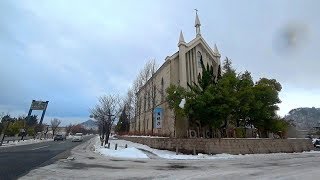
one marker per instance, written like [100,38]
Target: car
[77,137]
[316,143]
[59,137]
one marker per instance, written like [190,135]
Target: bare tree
[69,128]
[105,112]
[129,103]
[2,114]
[135,99]
[137,84]
[146,75]
[54,125]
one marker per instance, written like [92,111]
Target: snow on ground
[133,151]
[121,152]
[88,164]
[25,142]
[144,136]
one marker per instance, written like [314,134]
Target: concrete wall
[230,146]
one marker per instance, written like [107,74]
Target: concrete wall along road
[226,145]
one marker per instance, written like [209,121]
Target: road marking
[39,147]
[61,142]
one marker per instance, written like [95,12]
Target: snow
[121,152]
[182,103]
[25,142]
[133,152]
[145,136]
[88,164]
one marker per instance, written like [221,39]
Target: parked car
[77,137]
[317,143]
[59,137]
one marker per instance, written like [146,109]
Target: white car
[77,137]
[316,142]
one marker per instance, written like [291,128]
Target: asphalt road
[16,161]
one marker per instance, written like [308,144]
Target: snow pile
[133,150]
[121,152]
[145,136]
[25,142]
[172,155]
[182,103]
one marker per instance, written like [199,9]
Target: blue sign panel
[158,117]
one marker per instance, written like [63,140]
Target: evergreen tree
[7,118]
[245,97]
[228,98]
[263,111]
[205,79]
[227,66]
[219,73]
[123,123]
[201,106]
[32,120]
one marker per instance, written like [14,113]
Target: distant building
[180,68]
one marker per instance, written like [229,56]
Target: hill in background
[304,118]
[90,124]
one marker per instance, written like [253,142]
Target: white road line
[39,147]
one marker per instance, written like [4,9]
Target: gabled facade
[154,116]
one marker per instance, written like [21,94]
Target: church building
[154,117]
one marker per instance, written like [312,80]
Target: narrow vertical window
[154,98]
[198,59]
[145,103]
[162,90]
[148,99]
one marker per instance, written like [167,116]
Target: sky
[71,52]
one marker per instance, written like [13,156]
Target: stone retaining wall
[226,145]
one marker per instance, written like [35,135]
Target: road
[18,160]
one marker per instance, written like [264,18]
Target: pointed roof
[215,49]
[181,38]
[197,21]
[200,40]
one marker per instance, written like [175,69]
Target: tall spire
[197,23]
[181,38]
[215,49]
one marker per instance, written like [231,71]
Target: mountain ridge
[90,124]
[304,117]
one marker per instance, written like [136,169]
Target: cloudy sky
[71,52]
